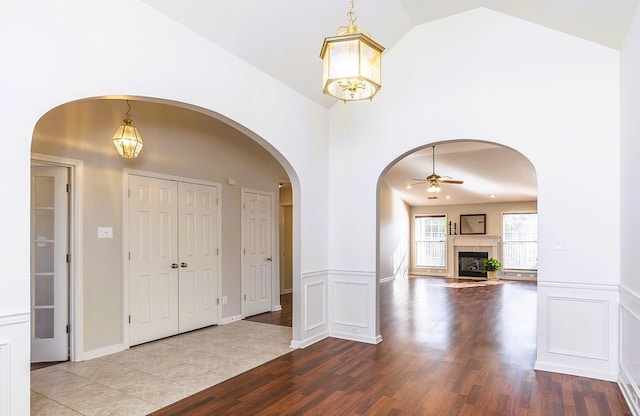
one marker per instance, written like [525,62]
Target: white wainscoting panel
[348,294]
[5,393]
[314,304]
[352,306]
[14,364]
[577,329]
[629,381]
[565,337]
[315,312]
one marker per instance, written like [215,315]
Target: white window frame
[505,241]
[416,242]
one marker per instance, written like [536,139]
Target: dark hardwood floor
[445,351]
[283,317]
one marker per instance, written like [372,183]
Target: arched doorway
[180,141]
[496,182]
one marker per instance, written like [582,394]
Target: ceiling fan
[434,180]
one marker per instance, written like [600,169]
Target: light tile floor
[150,376]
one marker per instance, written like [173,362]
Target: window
[431,241]
[520,241]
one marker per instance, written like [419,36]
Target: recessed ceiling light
[492,196]
[408,186]
[448,197]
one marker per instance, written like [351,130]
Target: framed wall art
[473,224]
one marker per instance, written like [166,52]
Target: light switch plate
[105,232]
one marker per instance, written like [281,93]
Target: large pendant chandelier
[127,139]
[351,63]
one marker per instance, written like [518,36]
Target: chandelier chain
[351,15]
[127,115]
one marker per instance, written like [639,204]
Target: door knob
[183,264]
[174,265]
[269,259]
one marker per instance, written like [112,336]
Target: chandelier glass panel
[351,67]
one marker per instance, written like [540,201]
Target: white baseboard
[631,397]
[277,308]
[230,319]
[308,341]
[575,371]
[387,279]
[356,337]
[101,352]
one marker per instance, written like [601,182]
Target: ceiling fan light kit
[434,180]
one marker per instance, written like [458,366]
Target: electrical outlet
[224,300]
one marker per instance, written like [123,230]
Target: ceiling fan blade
[451,181]
[411,185]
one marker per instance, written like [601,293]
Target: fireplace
[486,245]
[471,263]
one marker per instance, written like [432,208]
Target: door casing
[76,300]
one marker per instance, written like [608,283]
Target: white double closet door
[174,230]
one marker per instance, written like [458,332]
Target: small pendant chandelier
[127,139]
[351,63]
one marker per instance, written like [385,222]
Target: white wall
[67,50]
[552,97]
[394,227]
[630,221]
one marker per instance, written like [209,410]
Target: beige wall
[493,212]
[177,142]
[286,235]
[394,223]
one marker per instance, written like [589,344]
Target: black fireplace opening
[471,263]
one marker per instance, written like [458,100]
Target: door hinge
[245,297]
[244,251]
[217,251]
[68,258]
[217,301]
[129,192]
[68,188]
[129,318]
[68,328]
[217,201]
[129,255]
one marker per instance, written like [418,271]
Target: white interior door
[153,252]
[198,251]
[257,225]
[49,266]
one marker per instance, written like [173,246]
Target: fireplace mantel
[478,242]
[475,240]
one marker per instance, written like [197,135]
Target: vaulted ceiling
[283,38]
